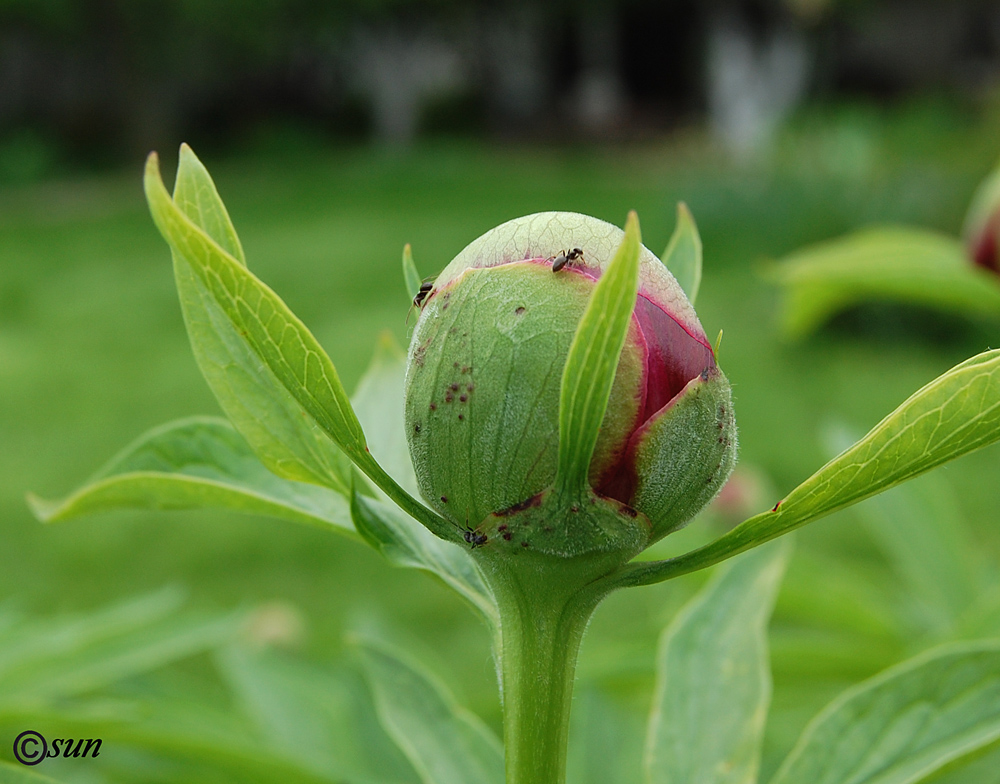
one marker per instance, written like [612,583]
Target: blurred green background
[93,350]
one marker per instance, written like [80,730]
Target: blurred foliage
[93,352]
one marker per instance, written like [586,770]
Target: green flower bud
[483,390]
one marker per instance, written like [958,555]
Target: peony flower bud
[483,394]
[982,225]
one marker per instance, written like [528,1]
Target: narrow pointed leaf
[407,543]
[254,399]
[904,725]
[956,413]
[198,463]
[593,361]
[898,264]
[683,254]
[410,274]
[277,337]
[713,681]
[445,743]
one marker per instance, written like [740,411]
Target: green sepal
[955,413]
[684,455]
[683,253]
[592,363]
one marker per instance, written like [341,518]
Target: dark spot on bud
[519,311]
[434,406]
[535,500]
[722,411]
[416,428]
[454,387]
[470,387]
[463,398]
[461,417]
[502,527]
[455,364]
[448,398]
[775,507]
[506,535]
[574,508]
[629,511]
[444,499]
[720,425]
[444,306]
[721,439]
[524,544]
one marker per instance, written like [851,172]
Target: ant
[474,538]
[565,257]
[421,295]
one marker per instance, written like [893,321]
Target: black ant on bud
[565,257]
[472,536]
[421,295]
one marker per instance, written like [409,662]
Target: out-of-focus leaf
[198,463]
[905,724]
[713,683]
[605,740]
[410,274]
[904,265]
[18,774]
[63,657]
[683,254]
[445,743]
[956,413]
[921,531]
[323,718]
[406,543]
[256,400]
[593,361]
[378,401]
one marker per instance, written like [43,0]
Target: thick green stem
[542,620]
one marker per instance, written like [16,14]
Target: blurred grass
[93,352]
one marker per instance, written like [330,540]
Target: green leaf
[713,682]
[410,274]
[903,265]
[61,657]
[592,362]
[320,716]
[277,338]
[445,743]
[198,463]
[605,739]
[406,543]
[955,413]
[18,774]
[256,401]
[922,532]
[378,402]
[683,254]
[905,724]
